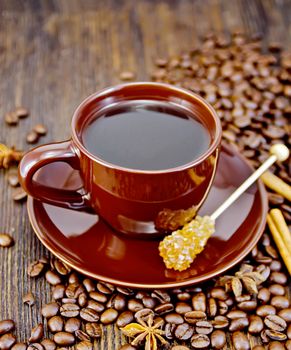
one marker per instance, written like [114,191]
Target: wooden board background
[53,53]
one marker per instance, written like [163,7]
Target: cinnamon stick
[282,227]
[276,184]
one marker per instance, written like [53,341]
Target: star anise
[8,156]
[246,278]
[149,332]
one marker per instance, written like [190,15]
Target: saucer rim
[190,281]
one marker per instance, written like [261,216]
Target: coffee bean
[52,278]
[61,267]
[278,277]
[285,314]
[69,310]
[19,346]
[220,322]
[183,296]
[36,333]
[19,194]
[174,318]
[126,76]
[249,305]
[82,299]
[203,327]
[275,323]
[265,310]
[94,330]
[6,326]
[128,347]
[7,341]
[84,345]
[218,293]
[184,331]
[117,302]
[109,316]
[35,346]
[200,341]
[238,324]
[58,292]
[89,285]
[149,302]
[81,335]
[277,289]
[289,331]
[169,330]
[89,315]
[105,288]
[11,118]
[264,295]
[72,325]
[73,290]
[256,324]
[193,317]
[40,129]
[125,291]
[258,347]
[97,296]
[95,305]
[69,301]
[164,308]
[288,344]
[236,314]
[280,302]
[199,302]
[6,240]
[161,295]
[240,341]
[144,314]
[28,299]
[21,112]
[275,345]
[222,307]
[134,305]
[73,278]
[212,307]
[48,344]
[275,199]
[55,324]
[276,335]
[50,310]
[13,179]
[32,137]
[64,338]
[218,339]
[182,308]
[124,318]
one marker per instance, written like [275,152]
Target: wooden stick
[276,184]
[280,243]
[282,227]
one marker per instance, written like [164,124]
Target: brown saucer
[85,242]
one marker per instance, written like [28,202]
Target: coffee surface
[146,135]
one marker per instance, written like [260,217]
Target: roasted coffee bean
[164,308]
[72,325]
[258,347]
[94,330]
[28,299]
[109,316]
[240,341]
[271,251]
[128,347]
[184,331]
[69,301]
[161,295]
[6,326]
[169,330]
[236,314]
[194,316]
[238,324]
[19,346]
[125,291]
[256,324]
[105,288]
[48,344]
[127,76]
[143,315]
[124,318]
[275,345]
[149,302]
[134,305]
[182,308]
[247,306]
[180,347]
[97,296]
[275,335]
[275,323]
[174,318]
[243,297]
[278,277]
[69,310]
[95,305]
[13,179]
[32,137]
[58,291]
[222,307]
[288,344]
[6,240]
[89,315]
[199,302]
[36,333]
[50,310]
[55,324]
[73,278]
[218,293]
[64,338]
[183,296]
[280,302]
[21,112]
[212,307]
[265,310]
[89,285]
[275,265]
[285,314]
[264,295]
[19,194]
[73,290]
[220,322]
[218,339]
[117,302]
[40,129]
[203,327]
[200,341]
[84,345]
[141,294]
[52,278]
[11,118]
[61,267]
[7,341]
[81,335]
[277,289]
[35,346]
[83,300]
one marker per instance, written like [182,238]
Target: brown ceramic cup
[129,200]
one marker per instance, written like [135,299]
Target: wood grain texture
[53,53]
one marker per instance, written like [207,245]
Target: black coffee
[146,135]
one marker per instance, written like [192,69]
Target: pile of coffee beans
[251,92]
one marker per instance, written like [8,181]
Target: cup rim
[214,144]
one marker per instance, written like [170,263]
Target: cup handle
[41,156]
